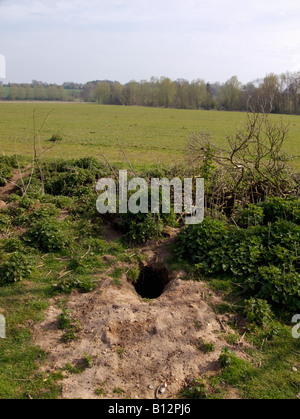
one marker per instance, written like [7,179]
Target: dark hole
[151,283]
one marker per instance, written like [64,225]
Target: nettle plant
[15,267]
[47,235]
[5,173]
[5,222]
[7,164]
[258,311]
[261,259]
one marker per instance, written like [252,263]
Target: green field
[54,243]
[149,135]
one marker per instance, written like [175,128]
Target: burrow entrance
[152,281]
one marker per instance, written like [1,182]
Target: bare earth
[11,186]
[136,345]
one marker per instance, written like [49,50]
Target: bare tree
[253,164]
[38,153]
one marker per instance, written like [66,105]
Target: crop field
[148,135]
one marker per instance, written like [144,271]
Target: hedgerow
[262,258]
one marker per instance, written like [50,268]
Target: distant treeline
[281,91]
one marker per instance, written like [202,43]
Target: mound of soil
[135,345]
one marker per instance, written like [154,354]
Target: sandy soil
[136,345]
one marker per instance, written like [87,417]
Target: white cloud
[180,38]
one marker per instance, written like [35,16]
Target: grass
[24,303]
[275,379]
[120,352]
[271,370]
[268,374]
[271,376]
[100,392]
[118,391]
[206,347]
[147,134]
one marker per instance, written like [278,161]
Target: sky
[70,40]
